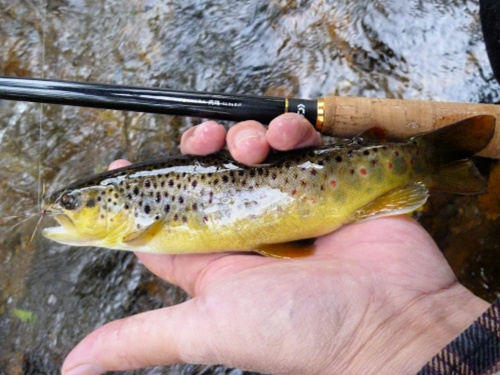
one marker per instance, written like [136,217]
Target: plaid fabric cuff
[476,351]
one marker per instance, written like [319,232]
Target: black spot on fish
[126,206]
[241,172]
[136,190]
[170,182]
[273,176]
[147,209]
[147,184]
[129,196]
[162,184]
[351,171]
[157,217]
[158,197]
[167,209]
[181,200]
[195,207]
[396,153]
[194,183]
[313,172]
[90,203]
[366,152]
[225,179]
[252,173]
[176,217]
[151,193]
[260,171]
[165,194]
[184,219]
[109,200]
[99,199]
[216,181]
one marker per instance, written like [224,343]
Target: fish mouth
[65,230]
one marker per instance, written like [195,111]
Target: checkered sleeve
[476,351]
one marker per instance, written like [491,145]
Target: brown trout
[194,204]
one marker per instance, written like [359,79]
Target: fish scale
[212,203]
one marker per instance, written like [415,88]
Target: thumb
[160,337]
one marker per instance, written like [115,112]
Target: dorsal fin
[375,134]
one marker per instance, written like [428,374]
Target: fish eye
[69,202]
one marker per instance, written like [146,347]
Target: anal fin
[287,250]
[398,201]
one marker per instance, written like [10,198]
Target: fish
[200,204]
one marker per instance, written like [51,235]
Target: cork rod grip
[348,116]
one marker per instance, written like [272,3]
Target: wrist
[405,342]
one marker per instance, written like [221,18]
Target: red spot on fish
[313,172]
[333,183]
[313,200]
[389,165]
[294,192]
[362,171]
[411,161]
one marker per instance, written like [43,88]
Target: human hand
[376,297]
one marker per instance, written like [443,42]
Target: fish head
[87,215]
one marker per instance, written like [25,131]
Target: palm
[255,302]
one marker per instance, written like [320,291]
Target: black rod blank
[154,100]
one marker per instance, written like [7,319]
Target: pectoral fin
[287,250]
[398,201]
[143,235]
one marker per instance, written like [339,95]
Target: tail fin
[450,146]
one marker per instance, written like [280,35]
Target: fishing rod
[331,115]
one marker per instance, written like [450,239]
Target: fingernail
[245,135]
[85,370]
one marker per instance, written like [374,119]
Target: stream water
[52,295]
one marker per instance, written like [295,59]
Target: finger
[167,336]
[247,142]
[203,139]
[181,270]
[119,164]
[292,130]
[194,272]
